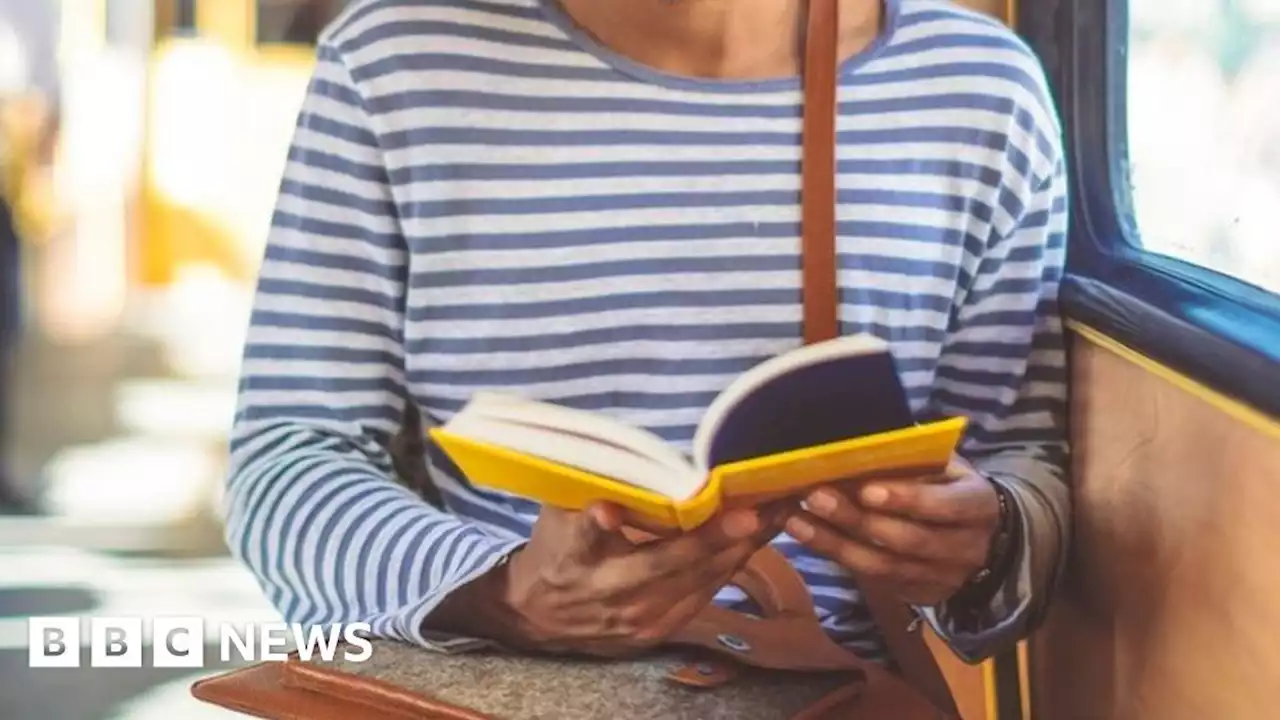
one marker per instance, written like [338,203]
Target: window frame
[1220,330]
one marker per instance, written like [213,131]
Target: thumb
[593,531]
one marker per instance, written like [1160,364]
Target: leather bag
[780,665]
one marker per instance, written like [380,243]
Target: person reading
[595,204]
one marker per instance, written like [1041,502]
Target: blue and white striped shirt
[479,196]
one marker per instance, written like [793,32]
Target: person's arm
[313,508]
[1004,367]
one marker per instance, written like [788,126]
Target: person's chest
[636,263]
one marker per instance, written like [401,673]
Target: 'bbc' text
[183,642]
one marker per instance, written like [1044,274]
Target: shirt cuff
[409,622]
[976,632]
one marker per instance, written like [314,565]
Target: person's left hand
[923,537]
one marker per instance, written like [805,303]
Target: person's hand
[580,586]
[922,537]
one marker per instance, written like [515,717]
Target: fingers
[652,527]
[962,501]
[680,559]
[594,542]
[917,580]
[587,533]
[774,515]
[698,582]
[674,554]
[695,589]
[634,611]
[603,595]
[744,527]
[585,536]
[607,516]
[897,535]
[678,554]
[649,526]
[856,556]
[836,508]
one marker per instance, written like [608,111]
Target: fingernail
[799,529]
[741,523]
[823,502]
[875,495]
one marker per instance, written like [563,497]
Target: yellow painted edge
[1024,677]
[1235,408]
[989,690]
[990,680]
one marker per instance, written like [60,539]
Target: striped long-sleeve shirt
[480,196]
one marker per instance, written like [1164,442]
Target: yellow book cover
[826,412]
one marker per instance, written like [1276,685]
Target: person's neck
[728,39]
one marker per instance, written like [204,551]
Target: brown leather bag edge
[260,691]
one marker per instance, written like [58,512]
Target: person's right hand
[580,586]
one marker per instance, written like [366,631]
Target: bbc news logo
[179,642]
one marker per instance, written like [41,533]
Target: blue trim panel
[1218,361]
[1210,326]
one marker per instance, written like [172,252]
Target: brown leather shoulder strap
[821,304]
[818,172]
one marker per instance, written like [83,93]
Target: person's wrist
[486,608]
[1002,548]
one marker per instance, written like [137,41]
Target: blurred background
[140,147]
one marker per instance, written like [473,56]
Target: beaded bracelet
[982,585]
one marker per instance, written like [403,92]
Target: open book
[824,412]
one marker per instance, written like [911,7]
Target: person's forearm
[314,509]
[334,540]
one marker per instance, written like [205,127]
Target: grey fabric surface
[519,688]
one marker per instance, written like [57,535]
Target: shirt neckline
[555,14]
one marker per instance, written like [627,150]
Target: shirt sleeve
[1004,367]
[314,508]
